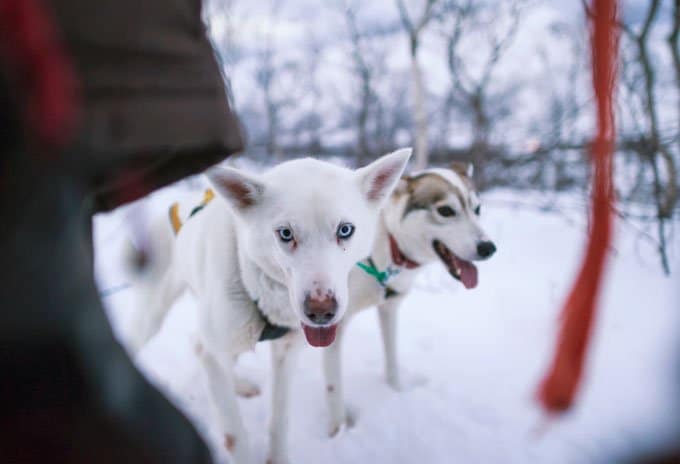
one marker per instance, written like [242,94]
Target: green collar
[380,276]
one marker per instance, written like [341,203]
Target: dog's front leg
[332,367]
[284,351]
[387,313]
[222,388]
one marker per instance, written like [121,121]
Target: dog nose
[486,248]
[320,310]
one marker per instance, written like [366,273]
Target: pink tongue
[468,274]
[319,336]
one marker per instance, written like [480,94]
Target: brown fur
[461,167]
[229,442]
[426,189]
[241,194]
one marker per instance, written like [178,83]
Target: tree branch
[673,42]
[499,46]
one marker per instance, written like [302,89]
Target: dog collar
[380,276]
[398,257]
[270,331]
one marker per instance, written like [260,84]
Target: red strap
[32,54]
[558,388]
[398,257]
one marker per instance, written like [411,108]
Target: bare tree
[558,132]
[414,29]
[364,73]
[265,78]
[226,43]
[311,122]
[674,46]
[270,73]
[469,90]
[651,148]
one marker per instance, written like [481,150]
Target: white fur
[414,234]
[230,255]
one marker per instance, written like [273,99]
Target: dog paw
[246,389]
[406,381]
[338,427]
[278,460]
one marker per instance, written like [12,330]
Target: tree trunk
[363,150]
[480,142]
[421,148]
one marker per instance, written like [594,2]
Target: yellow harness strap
[175,221]
[173,212]
[208,195]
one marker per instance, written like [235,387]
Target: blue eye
[285,234]
[345,231]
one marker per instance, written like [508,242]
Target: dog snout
[486,248]
[320,310]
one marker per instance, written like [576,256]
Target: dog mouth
[459,268]
[319,336]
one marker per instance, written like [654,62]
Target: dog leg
[284,352]
[246,388]
[152,309]
[387,313]
[222,388]
[332,366]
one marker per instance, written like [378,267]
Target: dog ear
[463,168]
[239,189]
[403,185]
[378,179]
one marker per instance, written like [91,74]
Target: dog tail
[154,285]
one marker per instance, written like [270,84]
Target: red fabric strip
[558,388]
[37,64]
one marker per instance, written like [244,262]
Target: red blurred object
[35,60]
[558,388]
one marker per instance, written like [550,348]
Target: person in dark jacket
[101,102]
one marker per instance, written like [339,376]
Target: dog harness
[270,331]
[382,277]
[173,212]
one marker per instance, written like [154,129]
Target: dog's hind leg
[284,351]
[152,309]
[387,314]
[245,387]
[222,389]
[332,366]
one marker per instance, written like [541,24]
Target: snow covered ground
[473,357]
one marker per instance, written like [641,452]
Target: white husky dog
[432,215]
[269,254]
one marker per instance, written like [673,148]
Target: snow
[471,359]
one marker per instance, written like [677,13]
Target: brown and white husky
[431,216]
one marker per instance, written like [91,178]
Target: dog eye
[446,211]
[478,210]
[285,234]
[345,231]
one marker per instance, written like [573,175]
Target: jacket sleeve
[154,105]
